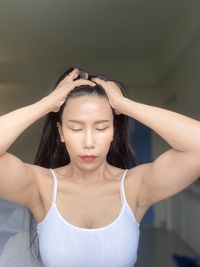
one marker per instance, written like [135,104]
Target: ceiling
[41,38]
[84,30]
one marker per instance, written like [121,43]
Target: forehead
[88,107]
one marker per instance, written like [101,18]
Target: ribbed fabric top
[63,244]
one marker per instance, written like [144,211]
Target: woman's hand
[113,92]
[59,94]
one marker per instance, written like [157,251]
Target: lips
[88,156]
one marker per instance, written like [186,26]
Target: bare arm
[14,123]
[176,168]
[18,179]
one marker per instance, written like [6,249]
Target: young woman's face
[87,129]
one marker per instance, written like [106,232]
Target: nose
[89,139]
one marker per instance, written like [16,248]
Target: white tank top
[62,244]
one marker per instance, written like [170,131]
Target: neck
[91,176]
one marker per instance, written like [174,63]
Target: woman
[85,198]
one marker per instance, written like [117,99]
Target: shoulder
[41,173]
[42,180]
[136,173]
[135,180]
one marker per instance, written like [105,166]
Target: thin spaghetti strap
[54,187]
[122,191]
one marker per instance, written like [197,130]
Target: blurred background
[152,46]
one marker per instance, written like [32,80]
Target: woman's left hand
[113,92]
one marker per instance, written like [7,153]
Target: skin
[89,139]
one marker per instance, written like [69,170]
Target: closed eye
[76,130]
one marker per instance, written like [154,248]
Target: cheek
[105,139]
[72,142]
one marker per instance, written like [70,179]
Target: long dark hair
[52,153]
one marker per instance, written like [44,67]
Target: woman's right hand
[59,94]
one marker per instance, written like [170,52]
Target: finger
[117,112]
[72,75]
[84,82]
[75,73]
[97,80]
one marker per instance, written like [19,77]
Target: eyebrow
[81,122]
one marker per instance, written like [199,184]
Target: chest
[83,207]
